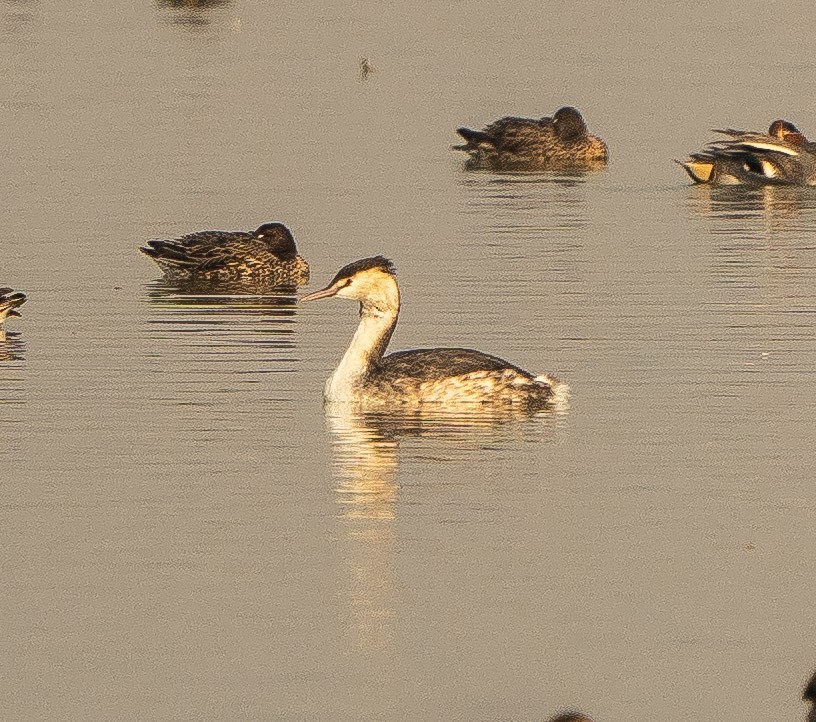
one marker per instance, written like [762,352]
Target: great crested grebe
[10,301]
[560,143]
[411,378]
[267,256]
[782,156]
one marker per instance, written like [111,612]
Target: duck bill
[327,292]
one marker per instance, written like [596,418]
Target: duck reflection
[201,4]
[18,16]
[755,211]
[237,320]
[764,235]
[213,350]
[535,224]
[12,390]
[366,448]
[12,346]
[529,190]
[761,261]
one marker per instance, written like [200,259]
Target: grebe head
[278,237]
[371,281]
[569,123]
[787,131]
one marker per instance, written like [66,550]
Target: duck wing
[197,249]
[507,134]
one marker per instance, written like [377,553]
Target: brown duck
[265,257]
[561,143]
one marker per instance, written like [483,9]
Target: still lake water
[185,532]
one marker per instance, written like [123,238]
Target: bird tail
[166,253]
[559,391]
[699,168]
[474,139]
[10,302]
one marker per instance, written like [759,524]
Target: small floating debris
[366,69]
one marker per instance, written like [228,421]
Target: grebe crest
[371,281]
[264,258]
[10,301]
[448,376]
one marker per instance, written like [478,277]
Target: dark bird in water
[10,301]
[561,143]
[366,69]
[809,695]
[450,376]
[266,257]
[782,156]
[571,717]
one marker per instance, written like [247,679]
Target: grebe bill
[435,375]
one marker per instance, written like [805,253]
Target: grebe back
[435,375]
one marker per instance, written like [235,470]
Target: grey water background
[186,534]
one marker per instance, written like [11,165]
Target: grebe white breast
[435,375]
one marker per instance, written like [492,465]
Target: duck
[369,377]
[782,156]
[809,695]
[265,257]
[513,144]
[10,301]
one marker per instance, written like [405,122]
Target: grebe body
[782,156]
[10,301]
[267,257]
[450,376]
[512,144]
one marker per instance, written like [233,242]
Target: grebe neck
[366,349]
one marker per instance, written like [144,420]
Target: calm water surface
[186,533]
